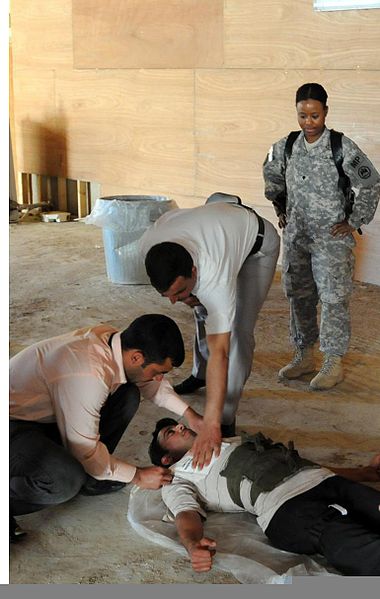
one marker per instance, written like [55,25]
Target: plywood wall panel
[151,34]
[288,34]
[34,95]
[182,200]
[150,98]
[42,33]
[153,161]
[130,127]
[240,113]
[39,126]
[238,116]
[354,98]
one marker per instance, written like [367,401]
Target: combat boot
[330,374]
[302,363]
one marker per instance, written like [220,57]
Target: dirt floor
[58,282]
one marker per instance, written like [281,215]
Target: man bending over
[219,259]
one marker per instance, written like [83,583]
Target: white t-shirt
[206,490]
[218,237]
[194,489]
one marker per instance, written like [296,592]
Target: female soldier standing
[317,255]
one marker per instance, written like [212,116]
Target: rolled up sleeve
[181,496]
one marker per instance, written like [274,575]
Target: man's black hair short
[157,336]
[156,452]
[311,91]
[165,262]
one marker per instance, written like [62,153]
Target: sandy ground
[59,283]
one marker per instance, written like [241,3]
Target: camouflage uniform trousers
[319,270]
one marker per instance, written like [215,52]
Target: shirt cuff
[356,223]
[116,470]
[125,472]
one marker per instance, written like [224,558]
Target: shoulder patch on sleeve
[363,171]
[354,163]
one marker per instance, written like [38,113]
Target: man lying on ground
[301,506]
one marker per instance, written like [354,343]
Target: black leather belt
[260,236]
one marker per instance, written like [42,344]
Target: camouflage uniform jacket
[314,200]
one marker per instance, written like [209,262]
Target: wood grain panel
[149,98]
[134,127]
[183,201]
[39,126]
[147,34]
[145,159]
[240,113]
[283,34]
[131,128]
[42,33]
[34,95]
[15,191]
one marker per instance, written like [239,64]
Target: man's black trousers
[42,472]
[350,542]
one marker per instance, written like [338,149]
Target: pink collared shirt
[67,379]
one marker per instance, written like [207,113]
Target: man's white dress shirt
[67,379]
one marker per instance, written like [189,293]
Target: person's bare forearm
[209,439]
[201,549]
[216,385]
[189,527]
[194,419]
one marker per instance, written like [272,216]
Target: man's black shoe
[189,385]
[101,487]
[16,533]
[228,430]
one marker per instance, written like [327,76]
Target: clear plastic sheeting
[243,550]
[123,220]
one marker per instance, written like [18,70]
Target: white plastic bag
[123,220]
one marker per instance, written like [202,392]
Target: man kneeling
[301,506]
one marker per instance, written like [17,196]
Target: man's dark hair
[311,91]
[156,452]
[165,262]
[157,337]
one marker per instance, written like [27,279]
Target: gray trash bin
[123,220]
